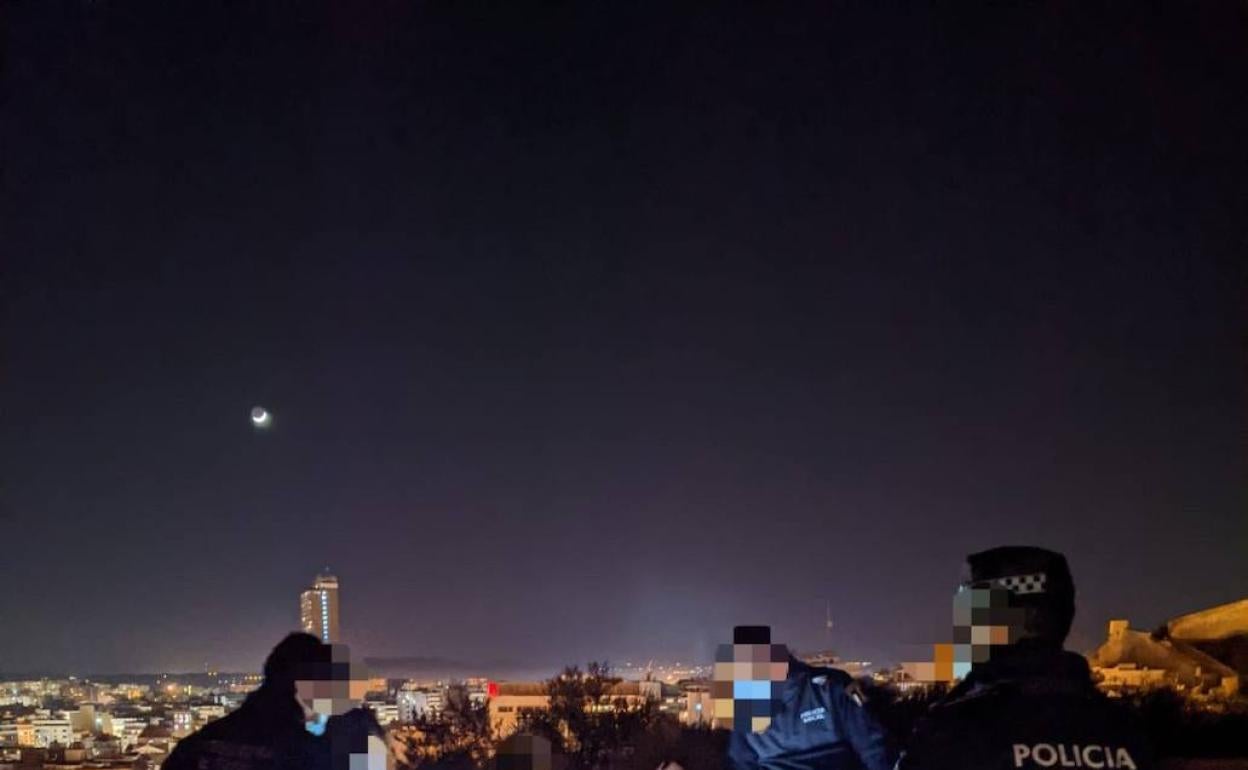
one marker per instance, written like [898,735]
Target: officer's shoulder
[838,684]
[951,716]
[829,677]
[972,699]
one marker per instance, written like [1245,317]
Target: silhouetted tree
[459,736]
[586,721]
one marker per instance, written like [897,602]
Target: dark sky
[591,329]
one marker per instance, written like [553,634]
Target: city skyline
[444,669]
[593,331]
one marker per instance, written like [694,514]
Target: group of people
[1022,702]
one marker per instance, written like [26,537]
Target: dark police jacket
[1030,709]
[265,733]
[820,724]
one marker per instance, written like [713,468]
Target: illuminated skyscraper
[318,608]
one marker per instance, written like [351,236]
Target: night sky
[591,329]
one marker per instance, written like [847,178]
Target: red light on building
[491,690]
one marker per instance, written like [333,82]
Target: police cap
[1038,579]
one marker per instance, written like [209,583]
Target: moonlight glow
[260,417]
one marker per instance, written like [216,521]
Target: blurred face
[334,691]
[983,618]
[747,684]
[327,697]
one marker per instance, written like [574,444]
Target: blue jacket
[821,724]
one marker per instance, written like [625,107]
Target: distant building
[52,730]
[318,608]
[208,712]
[478,690]
[100,746]
[412,703]
[510,701]
[378,685]
[904,678]
[183,723]
[9,734]
[238,684]
[125,729]
[1203,654]
[66,757]
[1220,632]
[83,719]
[25,734]
[386,713]
[153,753]
[829,659]
[699,710]
[157,733]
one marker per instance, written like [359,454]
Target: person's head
[319,676]
[749,674]
[331,686]
[292,659]
[1019,596]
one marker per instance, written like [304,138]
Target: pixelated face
[375,756]
[983,618]
[333,689]
[746,689]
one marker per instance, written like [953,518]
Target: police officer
[787,715]
[1024,702]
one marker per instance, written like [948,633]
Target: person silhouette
[304,716]
[267,732]
[1023,701]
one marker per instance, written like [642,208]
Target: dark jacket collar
[1030,668]
[799,675]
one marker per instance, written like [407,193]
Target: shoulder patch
[823,675]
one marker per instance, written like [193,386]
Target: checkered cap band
[1023,584]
